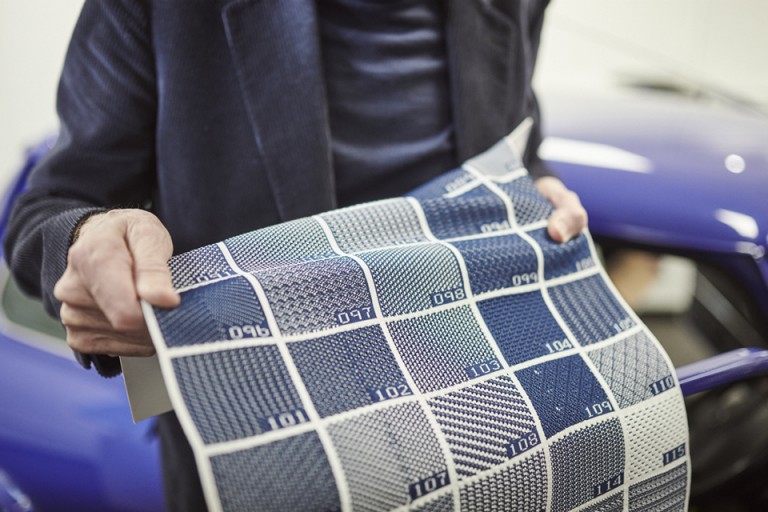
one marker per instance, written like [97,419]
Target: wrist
[83,220]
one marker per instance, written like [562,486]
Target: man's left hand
[569,217]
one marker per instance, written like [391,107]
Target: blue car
[683,177]
[674,174]
[668,170]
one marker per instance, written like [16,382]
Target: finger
[101,261]
[569,217]
[108,342]
[76,317]
[552,189]
[566,222]
[69,289]
[151,247]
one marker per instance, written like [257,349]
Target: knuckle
[68,289]
[145,351]
[120,215]
[125,321]
[134,216]
[571,196]
[81,341]
[60,290]
[581,216]
[78,253]
[66,315]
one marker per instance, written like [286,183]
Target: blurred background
[706,55]
[588,45]
[33,40]
[597,44]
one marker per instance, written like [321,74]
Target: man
[183,123]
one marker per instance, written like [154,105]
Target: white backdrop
[33,40]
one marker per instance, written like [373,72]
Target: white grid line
[204,468]
[320,424]
[298,383]
[227,344]
[464,238]
[398,357]
[512,219]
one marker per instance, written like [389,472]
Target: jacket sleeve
[104,156]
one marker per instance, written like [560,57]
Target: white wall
[587,43]
[33,40]
[721,43]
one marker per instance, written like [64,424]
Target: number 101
[285,419]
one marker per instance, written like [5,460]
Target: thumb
[151,247]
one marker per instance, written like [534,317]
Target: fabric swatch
[431,352]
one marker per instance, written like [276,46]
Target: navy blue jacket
[212,114]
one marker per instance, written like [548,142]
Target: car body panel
[684,195]
[66,435]
[655,172]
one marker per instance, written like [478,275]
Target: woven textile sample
[434,352]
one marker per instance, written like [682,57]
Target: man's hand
[118,258]
[569,217]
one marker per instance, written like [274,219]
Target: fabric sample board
[434,352]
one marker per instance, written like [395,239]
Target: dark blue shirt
[386,75]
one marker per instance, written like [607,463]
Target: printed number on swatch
[623,324]
[608,485]
[662,385]
[522,444]
[390,392]
[494,226]
[585,263]
[284,419]
[523,279]
[238,332]
[558,345]
[447,296]
[484,368]
[673,455]
[212,276]
[354,315]
[599,409]
[429,484]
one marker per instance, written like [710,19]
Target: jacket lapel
[488,84]
[274,45]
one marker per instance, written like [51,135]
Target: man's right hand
[119,257]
